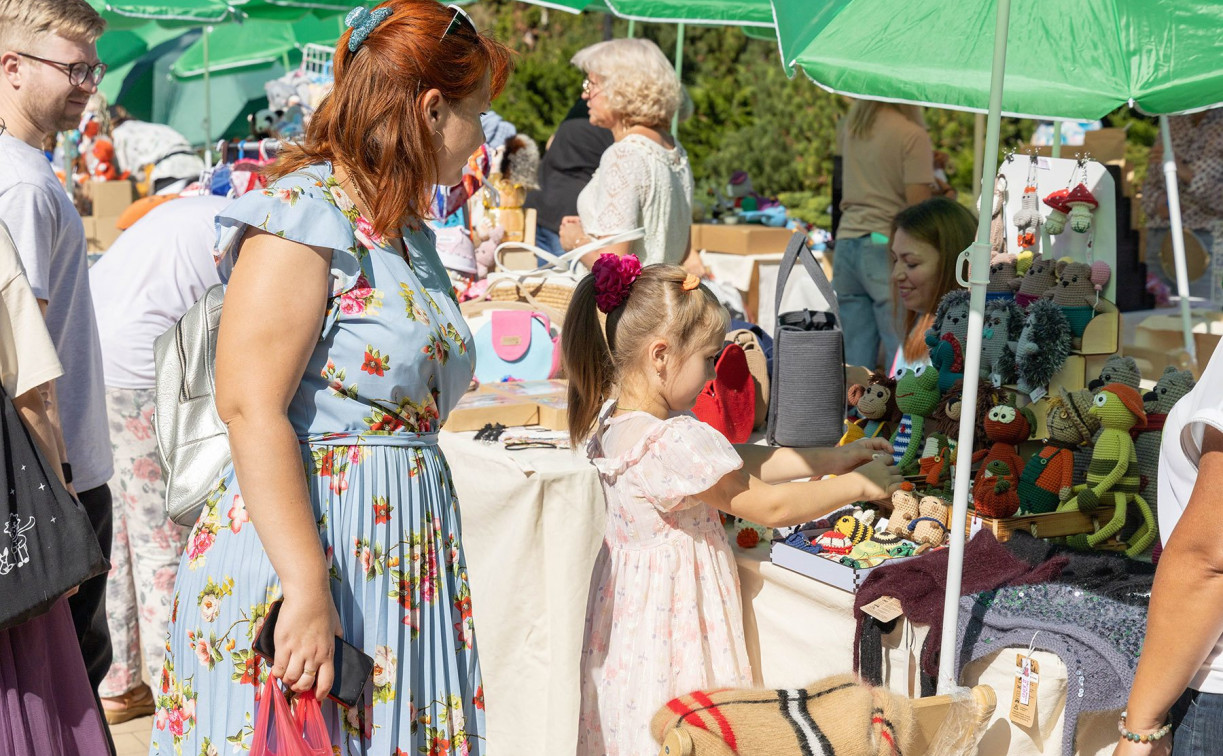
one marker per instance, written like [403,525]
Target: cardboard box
[529,389]
[1105,146]
[111,198]
[479,408]
[740,239]
[553,411]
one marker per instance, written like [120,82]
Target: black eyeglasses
[459,20]
[77,72]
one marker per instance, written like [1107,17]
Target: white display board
[1063,173]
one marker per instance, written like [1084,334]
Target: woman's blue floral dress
[394,356]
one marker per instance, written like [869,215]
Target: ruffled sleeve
[675,459]
[303,207]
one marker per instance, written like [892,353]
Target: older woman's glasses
[459,20]
[590,89]
[77,72]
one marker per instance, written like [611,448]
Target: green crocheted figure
[917,395]
[1114,470]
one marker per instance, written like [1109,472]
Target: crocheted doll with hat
[877,410]
[947,337]
[1004,278]
[1006,427]
[999,339]
[1044,345]
[1114,470]
[1117,369]
[1048,475]
[994,493]
[1037,279]
[917,395]
[1028,219]
[1172,385]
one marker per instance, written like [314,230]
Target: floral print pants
[147,545]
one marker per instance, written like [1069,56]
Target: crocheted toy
[934,515]
[857,527]
[876,408]
[1117,369]
[994,494]
[1081,203]
[1028,218]
[947,337]
[1023,262]
[946,416]
[1037,279]
[834,542]
[1114,470]
[1172,385]
[936,460]
[1005,427]
[1003,324]
[904,509]
[1048,475]
[1044,345]
[1055,222]
[1077,295]
[486,251]
[997,221]
[917,395]
[1004,278]
[837,716]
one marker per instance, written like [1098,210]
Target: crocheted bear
[917,395]
[934,515]
[999,339]
[1044,345]
[994,493]
[1006,427]
[1172,385]
[1075,293]
[1114,470]
[947,337]
[878,412]
[1048,475]
[1004,278]
[1117,369]
[1037,279]
[904,509]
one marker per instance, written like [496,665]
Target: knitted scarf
[1155,424]
[1110,575]
[1098,639]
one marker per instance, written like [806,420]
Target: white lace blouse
[641,183]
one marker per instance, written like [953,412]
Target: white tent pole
[978,155]
[679,71]
[1176,229]
[978,274]
[207,92]
[1057,141]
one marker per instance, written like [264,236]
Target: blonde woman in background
[888,165]
[643,179]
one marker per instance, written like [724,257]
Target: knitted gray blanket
[1098,639]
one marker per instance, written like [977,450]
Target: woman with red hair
[341,350]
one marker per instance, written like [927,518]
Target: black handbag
[47,545]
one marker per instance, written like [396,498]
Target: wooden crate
[1049,525]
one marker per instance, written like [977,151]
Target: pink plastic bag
[281,732]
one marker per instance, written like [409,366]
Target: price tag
[1023,700]
[1044,164]
[1038,393]
[884,608]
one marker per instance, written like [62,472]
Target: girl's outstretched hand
[861,452]
[880,478]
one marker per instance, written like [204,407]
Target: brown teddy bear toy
[931,525]
[1039,278]
[1076,294]
[905,509]
[1004,278]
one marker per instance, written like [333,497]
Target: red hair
[372,124]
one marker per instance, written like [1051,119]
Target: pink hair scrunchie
[614,276]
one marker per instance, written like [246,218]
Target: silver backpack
[192,442]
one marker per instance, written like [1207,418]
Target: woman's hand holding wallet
[305,641]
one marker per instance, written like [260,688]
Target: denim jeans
[1199,287]
[861,278]
[549,241]
[1197,724]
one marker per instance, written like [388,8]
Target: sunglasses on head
[458,21]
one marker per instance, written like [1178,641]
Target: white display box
[821,568]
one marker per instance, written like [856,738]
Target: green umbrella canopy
[121,49]
[728,12]
[288,10]
[126,14]
[1078,61]
[255,43]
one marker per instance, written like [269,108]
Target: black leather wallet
[353,668]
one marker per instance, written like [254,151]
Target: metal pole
[978,155]
[978,275]
[207,91]
[679,72]
[632,27]
[1176,229]
[1057,138]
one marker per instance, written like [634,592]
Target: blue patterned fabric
[393,358]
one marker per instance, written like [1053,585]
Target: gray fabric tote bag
[807,404]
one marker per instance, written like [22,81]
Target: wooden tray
[1048,525]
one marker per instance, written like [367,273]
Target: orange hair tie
[690,282]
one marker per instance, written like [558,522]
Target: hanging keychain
[1028,219]
[1080,200]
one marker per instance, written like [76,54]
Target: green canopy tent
[1160,55]
[128,14]
[256,43]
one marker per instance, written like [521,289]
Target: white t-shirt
[1178,473]
[27,356]
[50,239]
[149,277]
[139,143]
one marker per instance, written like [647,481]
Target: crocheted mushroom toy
[995,492]
[947,337]
[1055,221]
[1037,279]
[917,395]
[1172,385]
[1044,345]
[1082,202]
[1048,475]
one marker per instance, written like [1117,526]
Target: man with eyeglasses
[49,67]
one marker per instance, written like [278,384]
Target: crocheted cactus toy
[947,337]
[1076,294]
[1003,324]
[1044,345]
[994,493]
[1114,470]
[1006,427]
[1172,385]
[877,410]
[1037,279]
[1048,475]
[917,395]
[1004,278]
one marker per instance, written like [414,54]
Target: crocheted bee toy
[994,494]
[878,412]
[1044,345]
[1006,427]
[904,509]
[1037,279]
[1048,475]
[857,527]
[1004,278]
[1114,470]
[946,339]
[1172,385]
[1003,324]
[917,395]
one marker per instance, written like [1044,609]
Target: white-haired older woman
[643,179]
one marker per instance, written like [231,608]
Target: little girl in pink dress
[664,615]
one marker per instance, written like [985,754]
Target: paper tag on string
[1023,700]
[884,608]
[1038,393]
